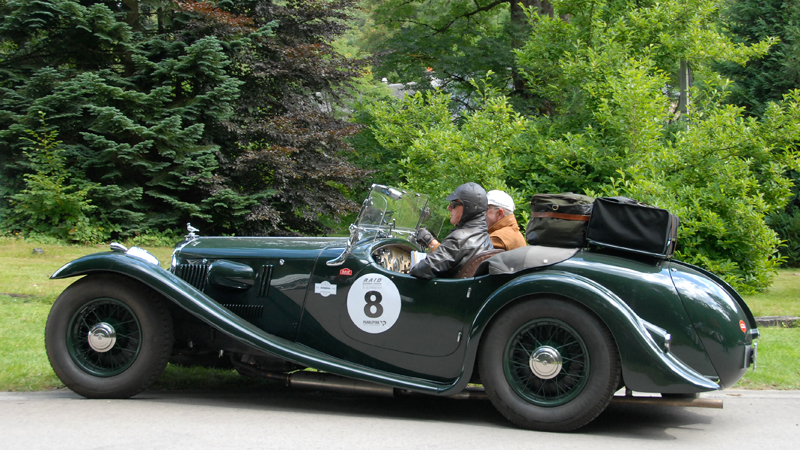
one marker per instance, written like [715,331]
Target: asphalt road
[285,419]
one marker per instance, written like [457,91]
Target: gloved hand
[425,237]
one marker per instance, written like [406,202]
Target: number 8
[373,298]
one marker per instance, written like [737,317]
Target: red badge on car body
[743,326]
[346,271]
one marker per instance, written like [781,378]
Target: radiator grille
[246,311]
[195,274]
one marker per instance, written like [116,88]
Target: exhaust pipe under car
[322,381]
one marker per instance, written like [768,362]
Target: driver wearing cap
[503,226]
[467,208]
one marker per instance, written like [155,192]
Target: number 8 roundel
[373,303]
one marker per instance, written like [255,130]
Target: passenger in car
[468,205]
[503,226]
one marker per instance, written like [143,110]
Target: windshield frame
[389,211]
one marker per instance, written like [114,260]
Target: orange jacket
[505,234]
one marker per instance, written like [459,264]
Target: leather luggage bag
[626,224]
[559,220]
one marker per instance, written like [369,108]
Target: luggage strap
[556,215]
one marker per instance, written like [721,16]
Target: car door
[364,313]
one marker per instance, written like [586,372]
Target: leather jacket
[468,239]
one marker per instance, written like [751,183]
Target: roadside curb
[777,321]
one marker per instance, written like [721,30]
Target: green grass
[27,273]
[781,299]
[26,294]
[778,356]
[24,365]
[778,348]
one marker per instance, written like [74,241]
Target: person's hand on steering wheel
[425,238]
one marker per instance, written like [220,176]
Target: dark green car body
[269,300]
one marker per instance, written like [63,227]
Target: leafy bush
[610,126]
[50,205]
[438,151]
[786,224]
[614,129]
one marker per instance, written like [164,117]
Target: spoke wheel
[104,337]
[548,364]
[108,336]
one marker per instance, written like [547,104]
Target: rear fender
[209,311]
[646,365]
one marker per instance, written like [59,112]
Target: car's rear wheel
[108,336]
[549,365]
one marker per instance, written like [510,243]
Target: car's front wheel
[108,336]
[549,365]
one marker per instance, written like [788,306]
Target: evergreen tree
[767,79]
[219,113]
[130,105]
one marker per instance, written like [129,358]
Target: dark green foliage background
[135,117]
[168,114]
[766,80]
[601,89]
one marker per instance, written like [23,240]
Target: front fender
[209,311]
[646,367]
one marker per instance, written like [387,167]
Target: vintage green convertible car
[550,341]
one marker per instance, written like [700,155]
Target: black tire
[542,395]
[84,317]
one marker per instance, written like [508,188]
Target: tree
[49,205]
[219,113]
[766,79]
[132,113]
[608,77]
[287,146]
[453,41]
[604,80]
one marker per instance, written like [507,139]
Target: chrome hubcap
[545,362]
[102,337]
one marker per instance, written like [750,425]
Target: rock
[777,321]
[38,251]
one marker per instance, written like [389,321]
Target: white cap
[501,199]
